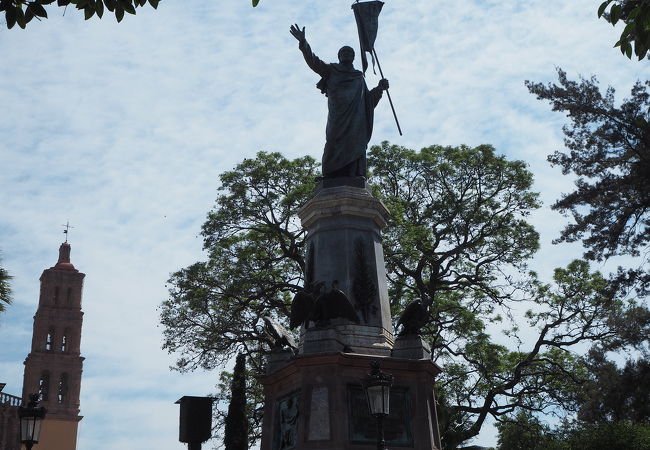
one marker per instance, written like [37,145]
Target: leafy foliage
[255,248]
[635,14]
[254,402]
[5,289]
[458,239]
[616,395]
[236,422]
[527,432]
[607,436]
[482,378]
[457,219]
[22,12]
[609,151]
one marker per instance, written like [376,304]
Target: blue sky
[124,128]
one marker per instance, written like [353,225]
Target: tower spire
[54,365]
[64,253]
[64,258]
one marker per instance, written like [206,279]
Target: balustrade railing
[11,400]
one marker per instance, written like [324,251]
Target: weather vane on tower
[67,227]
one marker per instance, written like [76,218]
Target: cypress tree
[236,426]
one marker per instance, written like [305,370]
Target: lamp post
[31,419]
[377,387]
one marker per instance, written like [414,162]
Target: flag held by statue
[367,16]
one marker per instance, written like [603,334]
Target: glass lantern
[31,420]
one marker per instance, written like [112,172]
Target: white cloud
[124,128]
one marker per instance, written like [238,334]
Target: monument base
[317,402]
[277,358]
[325,183]
[344,253]
[348,338]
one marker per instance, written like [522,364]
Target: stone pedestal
[344,251]
[347,338]
[277,359]
[411,346]
[317,402]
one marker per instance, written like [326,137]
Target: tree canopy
[615,394]
[635,14]
[5,289]
[253,407]
[458,239]
[527,432]
[236,421]
[255,260]
[21,12]
[609,152]
[613,412]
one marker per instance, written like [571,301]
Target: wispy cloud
[124,128]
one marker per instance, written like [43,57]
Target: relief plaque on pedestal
[286,429]
[319,414]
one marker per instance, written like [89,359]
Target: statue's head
[346,54]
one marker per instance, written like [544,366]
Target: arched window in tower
[64,340]
[56,295]
[49,340]
[44,386]
[63,388]
[68,298]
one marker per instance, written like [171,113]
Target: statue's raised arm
[313,61]
[297,32]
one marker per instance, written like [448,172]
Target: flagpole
[390,100]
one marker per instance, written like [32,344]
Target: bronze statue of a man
[350,109]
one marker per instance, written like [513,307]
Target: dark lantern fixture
[377,387]
[31,420]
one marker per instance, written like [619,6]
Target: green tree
[525,432]
[457,220]
[609,152]
[458,239]
[5,289]
[255,260]
[21,12]
[236,422]
[254,401]
[616,394]
[484,379]
[606,436]
[635,14]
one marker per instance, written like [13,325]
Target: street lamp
[377,386]
[31,419]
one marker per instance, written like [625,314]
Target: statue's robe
[350,116]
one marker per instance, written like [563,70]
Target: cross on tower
[67,227]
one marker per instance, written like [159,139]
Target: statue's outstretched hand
[383,84]
[297,32]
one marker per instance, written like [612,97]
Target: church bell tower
[53,367]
